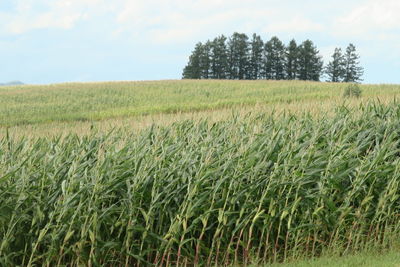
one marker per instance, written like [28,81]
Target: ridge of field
[74,102]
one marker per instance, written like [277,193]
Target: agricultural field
[43,110]
[183,173]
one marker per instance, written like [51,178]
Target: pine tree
[292,60]
[274,59]
[219,58]
[353,72]
[267,72]
[336,68]
[205,61]
[238,50]
[193,69]
[256,58]
[310,62]
[238,58]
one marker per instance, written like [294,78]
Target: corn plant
[246,190]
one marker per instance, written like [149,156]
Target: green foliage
[193,70]
[256,58]
[292,60]
[274,60]
[219,58]
[352,90]
[353,70]
[344,67]
[238,56]
[336,68]
[239,59]
[310,62]
[254,188]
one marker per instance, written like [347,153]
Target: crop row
[244,190]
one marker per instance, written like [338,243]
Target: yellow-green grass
[92,101]
[77,107]
[389,258]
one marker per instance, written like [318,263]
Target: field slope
[93,101]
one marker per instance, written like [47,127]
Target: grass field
[197,172]
[364,259]
[77,107]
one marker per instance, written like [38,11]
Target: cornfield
[245,190]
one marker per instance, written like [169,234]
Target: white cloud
[371,20]
[183,22]
[41,14]
[173,21]
[296,24]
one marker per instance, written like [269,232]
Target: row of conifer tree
[239,58]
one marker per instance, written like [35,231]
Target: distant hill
[12,83]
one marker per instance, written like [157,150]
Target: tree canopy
[239,57]
[345,67]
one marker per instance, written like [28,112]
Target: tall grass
[243,190]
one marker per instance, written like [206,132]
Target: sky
[52,41]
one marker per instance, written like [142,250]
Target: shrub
[352,90]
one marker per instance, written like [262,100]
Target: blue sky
[49,41]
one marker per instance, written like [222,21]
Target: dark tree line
[240,57]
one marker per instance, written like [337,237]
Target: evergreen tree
[267,72]
[274,59]
[256,58]
[205,60]
[238,50]
[310,62]
[193,70]
[237,58]
[336,68]
[219,58]
[292,60]
[353,71]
